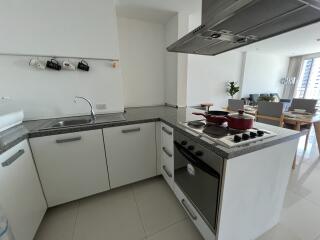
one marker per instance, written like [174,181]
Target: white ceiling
[302,41]
[156,10]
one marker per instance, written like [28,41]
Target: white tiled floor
[145,210]
[149,211]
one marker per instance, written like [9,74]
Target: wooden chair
[307,104]
[234,105]
[310,106]
[270,113]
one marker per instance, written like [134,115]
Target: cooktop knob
[237,138]
[184,142]
[199,153]
[245,136]
[190,147]
[260,133]
[253,134]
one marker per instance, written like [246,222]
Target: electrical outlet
[101,106]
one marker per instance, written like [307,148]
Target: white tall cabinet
[131,153]
[21,196]
[71,166]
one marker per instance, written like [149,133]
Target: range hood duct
[230,24]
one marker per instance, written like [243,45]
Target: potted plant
[266,98]
[232,88]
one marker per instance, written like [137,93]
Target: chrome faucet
[93,115]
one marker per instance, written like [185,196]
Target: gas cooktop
[228,137]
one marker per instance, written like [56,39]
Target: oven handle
[196,161]
[192,215]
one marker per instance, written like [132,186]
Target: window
[309,81]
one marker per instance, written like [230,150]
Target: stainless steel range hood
[230,24]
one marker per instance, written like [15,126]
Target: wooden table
[299,121]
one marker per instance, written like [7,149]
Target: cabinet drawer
[195,217]
[71,166]
[167,171]
[167,138]
[131,153]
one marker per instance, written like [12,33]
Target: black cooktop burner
[196,124]
[218,131]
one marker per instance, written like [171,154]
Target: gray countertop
[174,117]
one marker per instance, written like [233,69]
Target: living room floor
[149,210]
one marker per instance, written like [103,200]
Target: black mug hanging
[83,65]
[53,64]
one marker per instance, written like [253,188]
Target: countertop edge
[225,153]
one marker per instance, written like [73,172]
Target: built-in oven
[198,173]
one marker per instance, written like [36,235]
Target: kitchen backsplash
[49,93]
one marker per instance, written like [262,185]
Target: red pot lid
[241,115]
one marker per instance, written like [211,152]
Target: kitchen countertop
[169,115]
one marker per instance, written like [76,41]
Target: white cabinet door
[71,166]
[131,153]
[21,196]
[167,158]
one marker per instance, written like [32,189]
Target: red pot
[238,120]
[214,116]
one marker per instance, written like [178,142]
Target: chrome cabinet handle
[166,171]
[166,152]
[166,131]
[131,130]
[13,158]
[66,140]
[190,212]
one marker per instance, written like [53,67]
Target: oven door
[199,181]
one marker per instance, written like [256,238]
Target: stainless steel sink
[72,122]
[83,120]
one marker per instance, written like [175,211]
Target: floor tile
[58,223]
[109,216]
[305,181]
[279,232]
[301,217]
[157,204]
[183,230]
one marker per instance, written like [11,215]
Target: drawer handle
[74,139]
[131,130]
[166,152]
[13,158]
[190,212]
[166,131]
[166,171]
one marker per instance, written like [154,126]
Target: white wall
[207,77]
[171,33]
[182,68]
[262,73]
[77,28]
[142,55]
[176,63]
[49,93]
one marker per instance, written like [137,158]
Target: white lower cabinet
[131,153]
[21,196]
[195,217]
[166,149]
[71,166]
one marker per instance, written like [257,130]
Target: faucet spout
[92,113]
